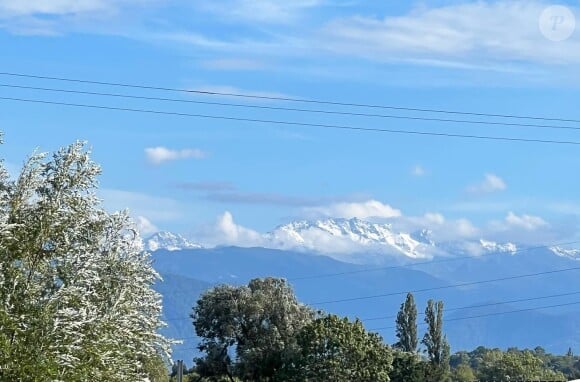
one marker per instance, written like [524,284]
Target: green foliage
[407,367]
[335,349]
[75,285]
[515,364]
[258,323]
[407,326]
[436,344]
[463,373]
[156,369]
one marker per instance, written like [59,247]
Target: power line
[286,99]
[129,96]
[446,286]
[489,314]
[452,259]
[446,309]
[446,320]
[294,123]
[484,305]
[325,275]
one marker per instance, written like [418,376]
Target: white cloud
[361,210]
[530,229]
[160,154]
[481,33]
[528,222]
[418,170]
[145,226]
[441,227]
[458,233]
[226,231]
[53,17]
[55,7]
[490,183]
[264,11]
[233,64]
[227,89]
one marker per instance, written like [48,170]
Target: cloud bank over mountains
[349,229]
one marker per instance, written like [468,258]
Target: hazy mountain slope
[552,328]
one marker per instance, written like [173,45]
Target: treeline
[261,332]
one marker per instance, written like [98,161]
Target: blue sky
[183,174]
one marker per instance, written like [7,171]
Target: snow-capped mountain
[169,241]
[569,253]
[347,239]
[349,235]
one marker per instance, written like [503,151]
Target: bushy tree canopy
[407,325]
[248,331]
[335,349]
[75,286]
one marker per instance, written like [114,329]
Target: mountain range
[373,269]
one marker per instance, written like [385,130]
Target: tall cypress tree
[407,325]
[435,341]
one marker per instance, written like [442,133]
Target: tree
[335,349]
[463,373]
[435,341]
[257,322]
[407,326]
[407,367]
[75,283]
[516,365]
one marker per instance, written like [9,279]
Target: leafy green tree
[463,373]
[156,369]
[516,365]
[436,344]
[75,284]
[335,349]
[407,367]
[257,322]
[407,326]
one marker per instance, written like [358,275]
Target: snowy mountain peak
[424,236]
[492,246]
[169,241]
[570,253]
[347,235]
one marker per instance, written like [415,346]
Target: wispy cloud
[160,154]
[418,170]
[461,233]
[233,64]
[227,89]
[263,198]
[58,7]
[145,226]
[206,186]
[525,221]
[225,231]
[227,192]
[481,32]
[263,11]
[362,210]
[158,209]
[490,183]
[42,17]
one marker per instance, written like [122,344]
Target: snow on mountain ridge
[169,241]
[570,253]
[350,235]
[353,240]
